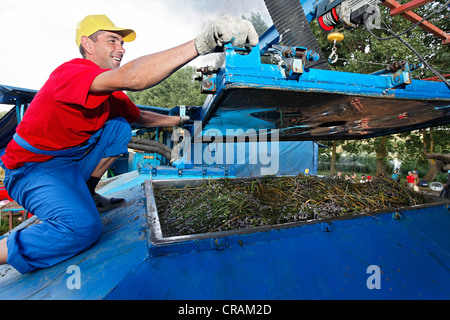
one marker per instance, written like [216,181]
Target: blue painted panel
[306,263]
[121,249]
[251,159]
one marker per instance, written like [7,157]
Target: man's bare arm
[145,72]
[153,119]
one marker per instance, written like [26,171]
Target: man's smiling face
[108,50]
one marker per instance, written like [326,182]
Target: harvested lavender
[229,204]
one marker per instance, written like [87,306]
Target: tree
[428,147]
[382,153]
[412,147]
[179,89]
[383,147]
[333,159]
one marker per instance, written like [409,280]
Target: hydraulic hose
[150,146]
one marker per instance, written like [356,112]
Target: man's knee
[119,132]
[122,128]
[112,141]
[87,232]
[77,230]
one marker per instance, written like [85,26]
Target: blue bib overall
[56,192]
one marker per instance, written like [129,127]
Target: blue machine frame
[316,104]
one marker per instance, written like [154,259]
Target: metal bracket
[399,72]
[208,79]
[294,59]
[324,6]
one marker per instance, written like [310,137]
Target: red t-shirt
[64,114]
[410,179]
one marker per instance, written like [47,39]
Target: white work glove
[184,120]
[224,30]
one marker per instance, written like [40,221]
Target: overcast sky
[39,35]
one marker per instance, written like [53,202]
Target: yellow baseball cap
[93,23]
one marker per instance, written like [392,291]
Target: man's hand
[224,30]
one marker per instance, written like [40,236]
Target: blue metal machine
[320,104]
[400,254]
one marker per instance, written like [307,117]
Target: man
[77,125]
[395,176]
[410,179]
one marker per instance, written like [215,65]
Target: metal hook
[333,56]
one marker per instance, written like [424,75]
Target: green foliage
[350,163]
[411,143]
[411,148]
[408,148]
[179,89]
